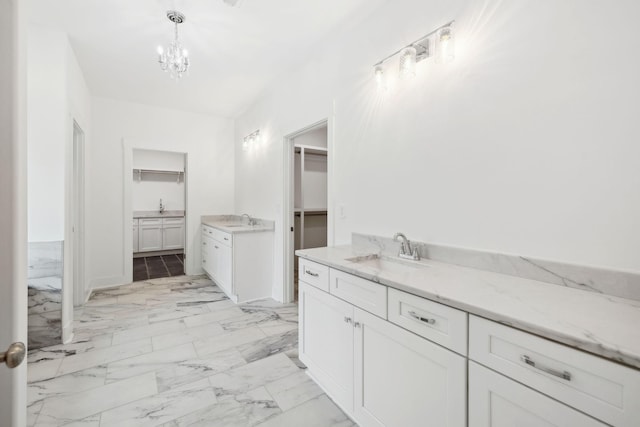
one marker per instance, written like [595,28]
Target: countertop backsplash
[610,282]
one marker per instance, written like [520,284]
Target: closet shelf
[140,172]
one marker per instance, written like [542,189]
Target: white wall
[57,95]
[47,111]
[208,142]
[147,191]
[526,144]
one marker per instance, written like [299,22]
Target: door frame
[127,149]
[288,220]
[13,197]
[80,293]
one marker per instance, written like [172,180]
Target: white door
[326,342]
[402,379]
[13,231]
[497,401]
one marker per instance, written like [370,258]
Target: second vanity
[402,343]
[238,256]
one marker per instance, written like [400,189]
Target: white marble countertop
[235,224]
[158,214]
[594,322]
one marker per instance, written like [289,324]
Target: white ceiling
[234,52]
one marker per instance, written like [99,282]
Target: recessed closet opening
[158,201]
[309,184]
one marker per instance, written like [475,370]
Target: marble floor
[177,352]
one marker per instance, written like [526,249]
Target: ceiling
[234,51]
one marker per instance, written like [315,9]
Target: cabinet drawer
[150,221]
[172,221]
[314,274]
[362,293]
[222,237]
[441,324]
[600,388]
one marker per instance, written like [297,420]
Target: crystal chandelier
[175,60]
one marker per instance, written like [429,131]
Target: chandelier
[175,60]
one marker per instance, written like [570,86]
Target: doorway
[158,201]
[306,185]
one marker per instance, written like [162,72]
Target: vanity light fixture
[410,55]
[175,60]
[251,140]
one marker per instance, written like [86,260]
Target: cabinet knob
[347,319]
[357,324]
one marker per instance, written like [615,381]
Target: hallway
[177,352]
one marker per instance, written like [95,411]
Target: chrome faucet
[405,248]
[250,220]
[161,206]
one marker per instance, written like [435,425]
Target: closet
[310,191]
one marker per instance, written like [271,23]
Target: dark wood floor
[154,267]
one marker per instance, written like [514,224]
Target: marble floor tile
[162,407]
[190,370]
[187,335]
[242,410]
[103,356]
[318,412]
[252,375]
[268,346]
[227,340]
[293,390]
[176,352]
[77,406]
[214,316]
[66,384]
[153,361]
[147,331]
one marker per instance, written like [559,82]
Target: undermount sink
[384,263]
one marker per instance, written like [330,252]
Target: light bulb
[408,62]
[185,53]
[160,50]
[446,51]
[245,144]
[379,76]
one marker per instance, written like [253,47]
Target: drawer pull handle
[347,319]
[226,238]
[311,273]
[422,319]
[216,247]
[564,374]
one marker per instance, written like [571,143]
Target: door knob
[14,355]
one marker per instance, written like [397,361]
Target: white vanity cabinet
[158,234]
[240,264]
[379,373]
[150,234]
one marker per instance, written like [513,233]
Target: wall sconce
[442,38]
[251,140]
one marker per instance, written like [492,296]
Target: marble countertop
[594,322]
[236,224]
[157,214]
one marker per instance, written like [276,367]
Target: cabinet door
[402,379]
[150,238]
[172,236]
[497,401]
[207,255]
[326,342]
[135,239]
[220,263]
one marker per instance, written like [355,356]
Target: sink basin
[382,263]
